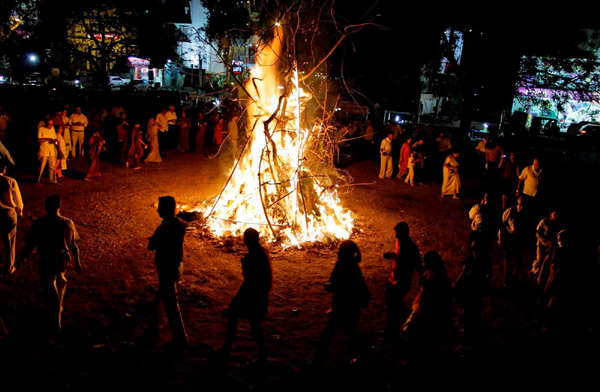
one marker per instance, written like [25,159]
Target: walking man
[55,238]
[167,241]
[11,208]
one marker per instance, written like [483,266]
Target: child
[412,163]
[252,300]
[350,295]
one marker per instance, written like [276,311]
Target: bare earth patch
[110,338]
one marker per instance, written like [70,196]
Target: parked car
[139,85]
[584,128]
[115,81]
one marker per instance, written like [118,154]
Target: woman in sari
[451,181]
[152,138]
[95,145]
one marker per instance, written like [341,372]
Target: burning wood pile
[282,182]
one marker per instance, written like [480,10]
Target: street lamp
[33,60]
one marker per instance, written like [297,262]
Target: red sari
[95,144]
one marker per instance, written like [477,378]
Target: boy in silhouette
[167,241]
[252,299]
[350,295]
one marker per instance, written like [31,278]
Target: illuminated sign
[137,62]
[237,67]
[108,36]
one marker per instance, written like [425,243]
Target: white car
[115,81]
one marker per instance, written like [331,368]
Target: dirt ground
[110,339]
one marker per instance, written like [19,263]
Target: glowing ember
[278,185]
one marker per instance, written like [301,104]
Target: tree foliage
[227,20]
[17,21]
[570,73]
[100,35]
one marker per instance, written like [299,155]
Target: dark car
[585,128]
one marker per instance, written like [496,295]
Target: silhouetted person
[252,299]
[561,291]
[429,323]
[511,238]
[483,230]
[55,238]
[350,295]
[167,241]
[468,291]
[407,259]
[546,232]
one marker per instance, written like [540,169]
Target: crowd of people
[515,220]
[102,134]
[512,215]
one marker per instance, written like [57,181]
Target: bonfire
[280,183]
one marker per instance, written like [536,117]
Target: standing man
[11,208]
[529,180]
[56,240]
[47,152]
[167,241]
[163,129]
[78,123]
[386,169]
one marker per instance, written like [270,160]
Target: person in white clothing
[11,209]
[47,152]
[162,122]
[78,123]
[385,150]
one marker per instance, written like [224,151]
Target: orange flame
[274,187]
